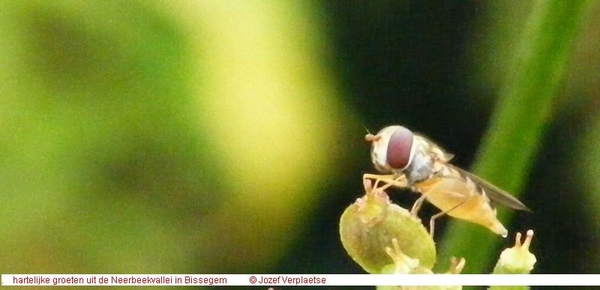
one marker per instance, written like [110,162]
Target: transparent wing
[494,193]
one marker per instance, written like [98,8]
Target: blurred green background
[227,136]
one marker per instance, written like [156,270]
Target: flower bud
[518,259]
[383,237]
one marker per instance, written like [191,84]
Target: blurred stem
[525,108]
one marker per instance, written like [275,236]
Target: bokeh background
[227,136]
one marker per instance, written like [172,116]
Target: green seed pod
[368,227]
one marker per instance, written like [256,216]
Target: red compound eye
[399,148]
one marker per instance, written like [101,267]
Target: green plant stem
[525,108]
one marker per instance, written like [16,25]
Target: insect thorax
[419,169]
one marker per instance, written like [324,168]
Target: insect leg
[439,214]
[390,180]
[424,192]
[417,205]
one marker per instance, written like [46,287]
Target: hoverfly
[414,162]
